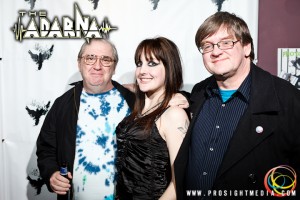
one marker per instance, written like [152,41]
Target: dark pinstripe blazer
[274,105]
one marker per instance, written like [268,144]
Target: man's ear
[114,72]
[247,49]
[78,64]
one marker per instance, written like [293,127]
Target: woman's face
[150,75]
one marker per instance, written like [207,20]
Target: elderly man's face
[97,77]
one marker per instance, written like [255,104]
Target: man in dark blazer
[244,137]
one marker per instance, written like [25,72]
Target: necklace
[147,111]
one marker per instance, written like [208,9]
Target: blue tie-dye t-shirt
[94,165]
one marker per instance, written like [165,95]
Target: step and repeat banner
[39,43]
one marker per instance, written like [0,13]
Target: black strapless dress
[143,162]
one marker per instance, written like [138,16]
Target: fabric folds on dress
[143,161]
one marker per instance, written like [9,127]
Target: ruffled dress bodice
[143,161]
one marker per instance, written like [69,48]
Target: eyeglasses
[106,61]
[223,45]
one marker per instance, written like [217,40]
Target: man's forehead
[99,43]
[98,46]
[221,33]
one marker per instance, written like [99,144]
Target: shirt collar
[243,91]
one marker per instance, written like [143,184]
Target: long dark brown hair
[165,51]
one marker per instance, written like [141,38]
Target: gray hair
[115,52]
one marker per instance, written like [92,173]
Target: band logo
[39,26]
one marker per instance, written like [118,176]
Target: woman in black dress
[148,140]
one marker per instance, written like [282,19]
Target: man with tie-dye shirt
[80,128]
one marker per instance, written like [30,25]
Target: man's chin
[96,83]
[221,76]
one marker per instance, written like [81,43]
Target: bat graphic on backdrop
[32,3]
[36,184]
[219,3]
[95,2]
[41,56]
[155,3]
[38,112]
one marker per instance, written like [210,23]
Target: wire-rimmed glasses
[223,45]
[106,61]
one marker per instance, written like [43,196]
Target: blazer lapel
[258,121]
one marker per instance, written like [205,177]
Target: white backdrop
[24,88]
